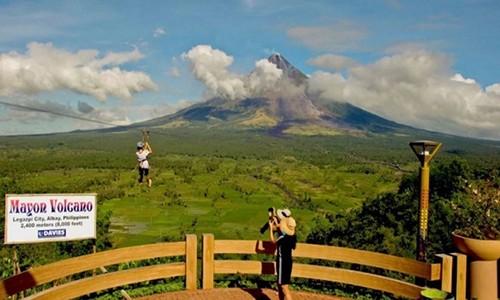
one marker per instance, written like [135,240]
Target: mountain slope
[286,109]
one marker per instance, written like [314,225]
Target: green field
[206,181]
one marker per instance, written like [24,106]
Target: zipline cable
[58,113]
[29,108]
[145,132]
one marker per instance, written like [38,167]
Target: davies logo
[50,233]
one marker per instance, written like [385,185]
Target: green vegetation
[351,191]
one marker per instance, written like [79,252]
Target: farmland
[217,182]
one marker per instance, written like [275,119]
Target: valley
[217,181]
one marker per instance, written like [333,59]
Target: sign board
[49,218]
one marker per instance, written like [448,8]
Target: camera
[271,212]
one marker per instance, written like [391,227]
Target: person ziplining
[143,150]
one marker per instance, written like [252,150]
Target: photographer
[286,240]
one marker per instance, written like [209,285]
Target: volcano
[286,109]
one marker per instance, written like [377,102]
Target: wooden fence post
[446,262]
[460,280]
[208,261]
[191,259]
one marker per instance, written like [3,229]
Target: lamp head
[425,150]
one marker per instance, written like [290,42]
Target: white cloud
[493,89]
[263,78]
[460,78]
[45,68]
[327,86]
[416,88]
[210,66]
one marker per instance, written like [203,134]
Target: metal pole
[424,150]
[423,213]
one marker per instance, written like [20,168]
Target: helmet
[140,145]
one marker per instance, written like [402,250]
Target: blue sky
[429,64]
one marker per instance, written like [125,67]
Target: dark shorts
[143,172]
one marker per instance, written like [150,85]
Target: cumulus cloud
[263,78]
[45,68]
[416,88]
[460,78]
[210,66]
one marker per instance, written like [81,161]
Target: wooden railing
[61,269]
[448,273]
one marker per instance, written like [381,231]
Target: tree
[387,223]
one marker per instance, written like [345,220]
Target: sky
[76,65]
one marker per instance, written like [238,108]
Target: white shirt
[142,158]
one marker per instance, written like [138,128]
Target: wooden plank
[210,267]
[243,267]
[358,278]
[446,262]
[378,260]
[460,278]
[243,247]
[106,281]
[372,259]
[67,267]
[191,261]
[208,261]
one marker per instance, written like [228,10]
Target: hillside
[286,109]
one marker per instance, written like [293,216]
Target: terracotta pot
[482,272]
[478,249]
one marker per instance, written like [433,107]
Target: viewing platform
[201,268]
[236,294]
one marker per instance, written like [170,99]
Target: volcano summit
[281,106]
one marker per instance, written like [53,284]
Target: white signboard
[49,218]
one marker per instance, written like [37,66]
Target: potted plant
[477,235]
[478,214]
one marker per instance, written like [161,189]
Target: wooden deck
[236,294]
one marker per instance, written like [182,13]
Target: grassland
[220,182]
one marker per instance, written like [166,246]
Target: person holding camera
[284,228]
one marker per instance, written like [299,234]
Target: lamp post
[424,150]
